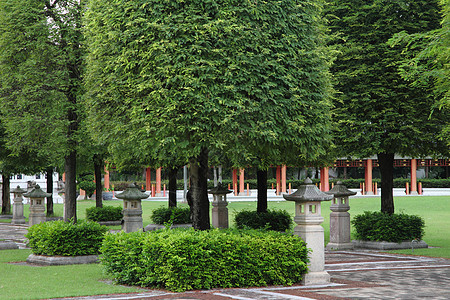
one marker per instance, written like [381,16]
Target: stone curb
[8,245]
[62,260]
[388,245]
[110,223]
[151,227]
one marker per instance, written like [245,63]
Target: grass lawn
[26,282]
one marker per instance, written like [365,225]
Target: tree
[377,112]
[183,79]
[40,71]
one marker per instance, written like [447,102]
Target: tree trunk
[6,197]
[199,190]
[98,164]
[386,162]
[70,207]
[173,186]
[261,178]
[49,172]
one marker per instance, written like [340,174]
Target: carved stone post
[37,205]
[219,204]
[340,218]
[308,217]
[18,217]
[132,208]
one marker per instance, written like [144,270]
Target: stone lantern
[220,210]
[340,218]
[37,205]
[132,208]
[18,217]
[308,217]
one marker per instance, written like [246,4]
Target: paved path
[354,275]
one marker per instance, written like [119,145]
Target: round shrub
[186,259]
[379,226]
[174,215]
[104,214]
[65,238]
[278,220]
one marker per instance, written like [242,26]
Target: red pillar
[283,178]
[106,179]
[413,177]
[235,182]
[368,177]
[158,182]
[148,179]
[278,179]
[324,180]
[241,182]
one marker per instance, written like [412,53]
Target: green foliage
[86,183]
[65,238]
[379,226]
[173,215]
[278,220]
[180,260]
[105,213]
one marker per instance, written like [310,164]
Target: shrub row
[379,226]
[278,220]
[174,215]
[350,183]
[65,238]
[184,259]
[105,213]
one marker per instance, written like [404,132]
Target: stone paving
[354,275]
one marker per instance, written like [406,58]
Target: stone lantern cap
[219,190]
[18,190]
[132,193]
[37,193]
[340,190]
[308,192]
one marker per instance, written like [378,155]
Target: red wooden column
[235,182]
[324,179]
[148,179]
[283,178]
[278,180]
[368,177]
[106,180]
[413,177]
[241,182]
[158,182]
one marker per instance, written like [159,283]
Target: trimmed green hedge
[105,213]
[174,215]
[278,220]
[185,259]
[379,226]
[65,238]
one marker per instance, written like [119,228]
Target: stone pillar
[324,179]
[308,217]
[132,208]
[18,217]
[219,206]
[413,177]
[368,177]
[148,179]
[241,182]
[158,182]
[106,180]
[340,218]
[37,205]
[283,179]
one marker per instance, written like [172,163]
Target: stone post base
[18,221]
[340,246]
[316,278]
[132,220]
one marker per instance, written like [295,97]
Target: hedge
[104,214]
[379,226]
[278,220]
[174,215]
[65,238]
[185,259]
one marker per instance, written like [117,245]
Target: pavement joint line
[318,286]
[233,296]
[390,268]
[279,295]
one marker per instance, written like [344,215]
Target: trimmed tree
[182,79]
[377,111]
